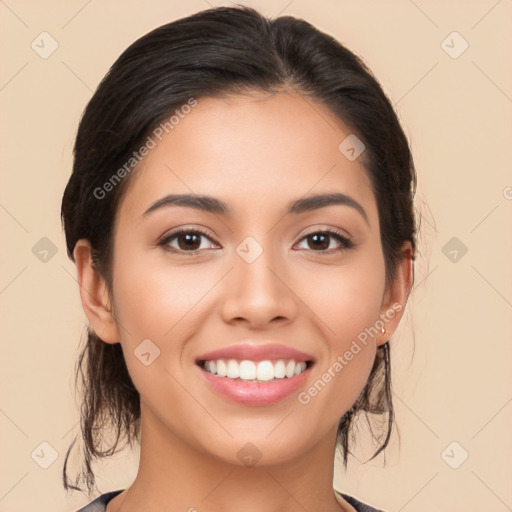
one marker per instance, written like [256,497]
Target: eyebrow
[213,205]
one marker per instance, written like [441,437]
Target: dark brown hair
[213,53]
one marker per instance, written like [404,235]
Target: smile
[256,371]
[255,383]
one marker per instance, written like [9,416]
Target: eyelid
[187,227]
[326,229]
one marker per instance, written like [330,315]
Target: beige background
[452,379]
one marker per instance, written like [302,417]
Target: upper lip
[256,352]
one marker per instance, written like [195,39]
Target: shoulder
[358,505]
[100,503]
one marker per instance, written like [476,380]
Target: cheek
[156,303]
[152,300]
[347,298]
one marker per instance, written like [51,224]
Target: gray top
[100,503]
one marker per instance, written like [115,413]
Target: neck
[173,475]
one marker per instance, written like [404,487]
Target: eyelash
[346,243]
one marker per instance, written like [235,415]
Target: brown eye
[188,240]
[320,241]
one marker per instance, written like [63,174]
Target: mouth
[255,383]
[255,373]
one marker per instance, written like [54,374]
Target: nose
[258,293]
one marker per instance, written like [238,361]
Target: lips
[266,389]
[256,352]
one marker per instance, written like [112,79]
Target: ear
[94,294]
[396,295]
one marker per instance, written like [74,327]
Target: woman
[240,213]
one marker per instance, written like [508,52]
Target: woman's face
[259,275]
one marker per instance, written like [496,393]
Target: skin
[256,153]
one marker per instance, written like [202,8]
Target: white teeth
[247,370]
[279,370]
[252,370]
[265,370]
[233,369]
[290,369]
[221,368]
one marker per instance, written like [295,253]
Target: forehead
[254,152]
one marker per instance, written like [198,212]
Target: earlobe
[94,294]
[395,298]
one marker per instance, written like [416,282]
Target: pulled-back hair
[216,53]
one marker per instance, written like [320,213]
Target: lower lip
[256,393]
